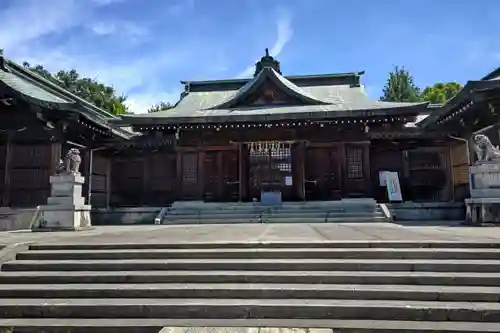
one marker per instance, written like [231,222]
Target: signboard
[393,188]
[382,177]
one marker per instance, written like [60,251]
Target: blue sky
[145,47]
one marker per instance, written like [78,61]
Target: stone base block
[63,217]
[483,210]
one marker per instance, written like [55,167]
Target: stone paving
[258,232]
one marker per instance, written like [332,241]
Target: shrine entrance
[271,169]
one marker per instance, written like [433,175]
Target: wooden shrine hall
[311,137]
[305,137]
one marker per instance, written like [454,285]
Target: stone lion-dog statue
[485,151]
[71,163]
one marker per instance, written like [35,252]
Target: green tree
[439,93]
[91,90]
[400,87]
[162,106]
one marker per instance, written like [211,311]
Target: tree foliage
[91,90]
[400,87]
[162,106]
[439,93]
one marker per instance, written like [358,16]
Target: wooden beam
[7,170]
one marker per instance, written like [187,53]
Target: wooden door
[221,181]
[212,185]
[357,173]
[322,173]
[189,180]
[230,175]
[271,169]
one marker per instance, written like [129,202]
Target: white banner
[393,188]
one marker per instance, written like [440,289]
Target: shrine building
[301,137]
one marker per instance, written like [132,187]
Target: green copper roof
[322,96]
[463,96]
[30,89]
[40,91]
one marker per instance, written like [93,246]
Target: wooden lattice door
[221,176]
[357,181]
[271,168]
[323,179]
[190,188]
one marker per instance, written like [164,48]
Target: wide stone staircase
[345,286]
[346,210]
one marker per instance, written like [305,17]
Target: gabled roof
[282,83]
[37,90]
[321,96]
[466,95]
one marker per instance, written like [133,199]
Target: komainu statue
[485,150]
[71,163]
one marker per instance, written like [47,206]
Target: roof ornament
[267,61]
[3,64]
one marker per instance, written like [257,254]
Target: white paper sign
[393,188]
[382,177]
[288,181]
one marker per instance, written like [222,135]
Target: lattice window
[190,168]
[354,157]
[270,163]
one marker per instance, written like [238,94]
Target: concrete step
[257,264]
[273,244]
[290,277]
[315,253]
[252,291]
[270,219]
[300,214]
[250,308]
[353,219]
[153,325]
[173,220]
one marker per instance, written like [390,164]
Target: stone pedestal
[65,208]
[484,204]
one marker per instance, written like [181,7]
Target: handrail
[35,217]
[386,211]
[161,214]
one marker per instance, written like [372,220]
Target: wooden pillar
[145,181]
[7,171]
[240,172]
[87,173]
[178,176]
[367,170]
[201,174]
[108,182]
[55,157]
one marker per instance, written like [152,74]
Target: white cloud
[140,103]
[284,35]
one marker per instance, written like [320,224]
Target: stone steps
[266,253]
[348,245]
[250,308]
[365,210]
[154,325]
[361,286]
[423,265]
[252,291]
[255,277]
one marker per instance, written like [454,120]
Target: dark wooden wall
[25,173]
[148,179]
[425,173]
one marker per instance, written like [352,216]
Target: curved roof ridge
[281,81]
